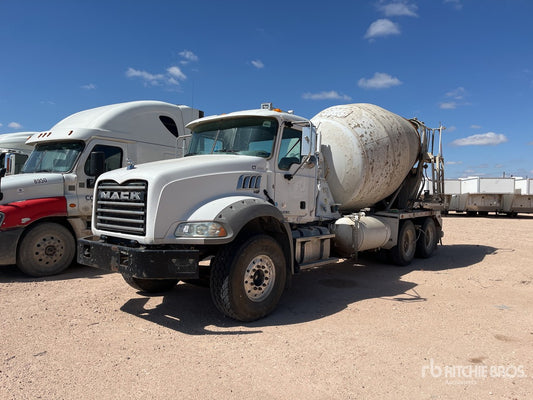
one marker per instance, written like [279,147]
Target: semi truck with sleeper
[263,194]
[45,208]
[14,151]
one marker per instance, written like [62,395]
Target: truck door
[114,158]
[295,184]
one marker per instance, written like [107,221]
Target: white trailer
[46,207]
[263,194]
[482,195]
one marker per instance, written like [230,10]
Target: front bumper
[8,245]
[138,262]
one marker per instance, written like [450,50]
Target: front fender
[233,212]
[20,214]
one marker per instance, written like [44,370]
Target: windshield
[252,136]
[53,157]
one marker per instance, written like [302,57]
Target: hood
[177,188]
[31,186]
[162,172]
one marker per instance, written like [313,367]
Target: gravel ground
[457,325]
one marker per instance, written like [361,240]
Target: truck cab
[14,151]
[46,207]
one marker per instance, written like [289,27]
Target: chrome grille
[121,207]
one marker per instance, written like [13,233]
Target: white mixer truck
[263,194]
[47,206]
[14,151]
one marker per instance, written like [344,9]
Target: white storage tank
[368,152]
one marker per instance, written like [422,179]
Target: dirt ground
[457,325]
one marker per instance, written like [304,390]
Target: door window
[290,149]
[113,157]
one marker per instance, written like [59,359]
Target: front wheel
[248,278]
[404,251]
[150,285]
[46,249]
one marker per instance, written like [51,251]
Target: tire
[248,278]
[428,239]
[46,249]
[403,253]
[150,285]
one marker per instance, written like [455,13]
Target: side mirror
[96,163]
[96,166]
[307,141]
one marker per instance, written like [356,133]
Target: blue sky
[465,63]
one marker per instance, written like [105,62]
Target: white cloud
[1,125]
[188,56]
[331,95]
[483,139]
[399,9]
[456,98]
[457,94]
[171,78]
[474,126]
[90,86]
[380,80]
[258,64]
[382,27]
[450,105]
[454,162]
[14,125]
[147,77]
[176,73]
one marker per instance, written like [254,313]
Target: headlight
[200,229]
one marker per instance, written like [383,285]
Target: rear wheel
[46,249]
[150,285]
[428,239]
[248,278]
[403,253]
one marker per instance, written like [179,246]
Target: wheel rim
[259,278]
[49,250]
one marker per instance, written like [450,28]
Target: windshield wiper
[226,151]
